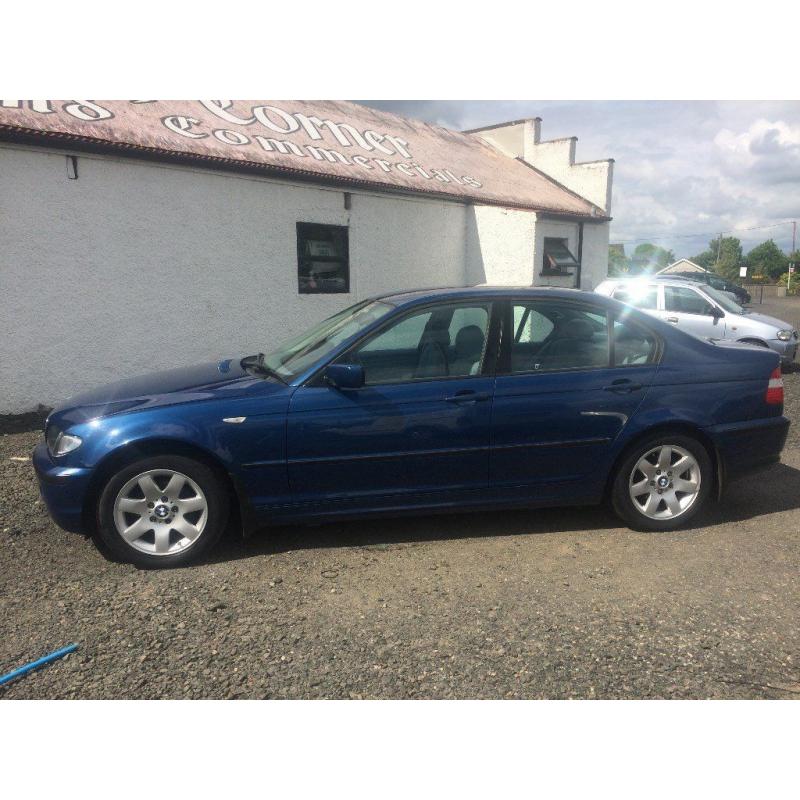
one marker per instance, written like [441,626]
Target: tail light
[774,394]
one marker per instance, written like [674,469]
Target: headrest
[577,329]
[438,336]
[469,341]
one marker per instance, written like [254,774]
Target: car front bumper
[63,489]
[786,350]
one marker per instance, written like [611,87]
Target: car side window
[633,344]
[444,342]
[686,301]
[553,335]
[646,297]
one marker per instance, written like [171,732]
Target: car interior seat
[468,351]
[572,344]
[432,354]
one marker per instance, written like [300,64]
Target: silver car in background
[703,311]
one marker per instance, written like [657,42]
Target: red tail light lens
[775,388]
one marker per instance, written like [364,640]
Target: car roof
[410,296]
[690,284]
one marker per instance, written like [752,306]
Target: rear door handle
[623,386]
[467,396]
[672,319]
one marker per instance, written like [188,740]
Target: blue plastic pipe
[17,673]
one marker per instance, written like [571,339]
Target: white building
[682,265]
[139,235]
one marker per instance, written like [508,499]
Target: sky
[683,171]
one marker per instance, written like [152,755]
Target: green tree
[705,259]
[723,256]
[617,260]
[651,258]
[767,259]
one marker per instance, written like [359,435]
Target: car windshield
[723,300]
[296,355]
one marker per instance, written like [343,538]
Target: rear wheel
[163,511]
[662,482]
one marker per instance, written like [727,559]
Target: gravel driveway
[527,604]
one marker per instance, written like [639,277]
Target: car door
[419,426]
[692,312]
[570,377]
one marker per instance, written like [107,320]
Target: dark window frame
[568,269]
[306,231]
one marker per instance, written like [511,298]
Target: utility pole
[791,262]
[719,250]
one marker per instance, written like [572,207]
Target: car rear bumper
[746,446]
[63,489]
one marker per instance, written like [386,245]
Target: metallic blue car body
[308,451]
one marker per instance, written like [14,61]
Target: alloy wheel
[665,482]
[160,512]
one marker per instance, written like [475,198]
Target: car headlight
[784,336]
[62,443]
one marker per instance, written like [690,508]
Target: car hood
[212,380]
[778,324]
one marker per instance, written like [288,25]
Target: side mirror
[717,313]
[345,376]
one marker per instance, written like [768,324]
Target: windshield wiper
[256,363]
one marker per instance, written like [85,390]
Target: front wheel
[163,511]
[662,483]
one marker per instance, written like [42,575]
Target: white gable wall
[137,266]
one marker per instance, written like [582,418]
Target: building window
[557,258]
[323,262]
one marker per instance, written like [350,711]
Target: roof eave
[31,136]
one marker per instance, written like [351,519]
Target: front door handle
[467,396]
[672,319]
[623,386]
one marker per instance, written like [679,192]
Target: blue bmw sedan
[423,401]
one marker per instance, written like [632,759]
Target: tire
[635,495]
[136,524]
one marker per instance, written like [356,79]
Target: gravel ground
[529,604]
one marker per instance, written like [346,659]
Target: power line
[698,235]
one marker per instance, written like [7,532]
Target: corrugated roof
[333,142]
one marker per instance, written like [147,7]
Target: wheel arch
[126,454]
[676,427]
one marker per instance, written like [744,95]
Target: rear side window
[686,301]
[551,335]
[646,297]
[633,344]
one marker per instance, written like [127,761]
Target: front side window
[686,301]
[442,342]
[550,335]
[296,355]
[323,260]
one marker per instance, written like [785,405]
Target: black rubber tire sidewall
[204,476]
[620,498]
